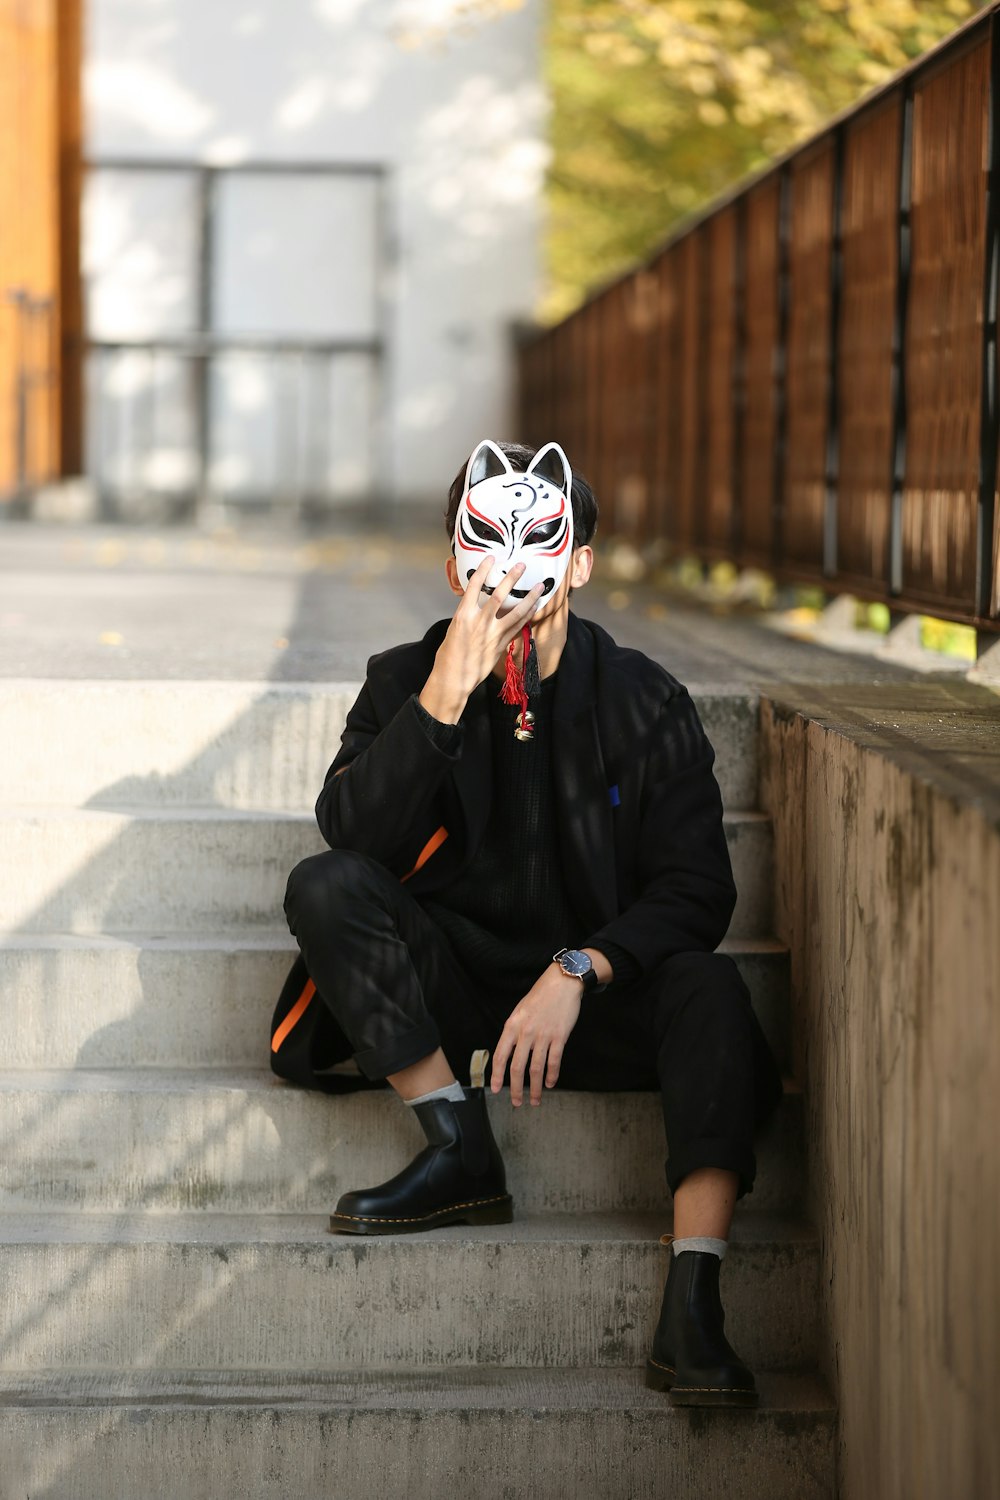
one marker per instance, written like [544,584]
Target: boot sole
[662,1378]
[479,1211]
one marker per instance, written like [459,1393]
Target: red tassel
[513,683]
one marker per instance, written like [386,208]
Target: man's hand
[480,631]
[538,1027]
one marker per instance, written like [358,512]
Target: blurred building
[350,264]
[307,230]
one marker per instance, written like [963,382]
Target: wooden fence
[804,378]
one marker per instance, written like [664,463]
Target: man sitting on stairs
[549,882]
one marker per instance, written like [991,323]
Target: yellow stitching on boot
[744,1390]
[419,1218]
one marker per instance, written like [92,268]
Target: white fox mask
[516,516]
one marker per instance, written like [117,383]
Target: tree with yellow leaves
[658,107]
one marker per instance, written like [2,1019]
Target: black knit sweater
[511,909]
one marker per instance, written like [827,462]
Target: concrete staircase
[178,1321]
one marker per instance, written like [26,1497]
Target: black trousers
[398,991]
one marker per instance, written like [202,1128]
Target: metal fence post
[988,595]
[831,476]
[898,376]
[780,367]
[738,386]
[203,361]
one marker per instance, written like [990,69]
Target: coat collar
[576,683]
[586,827]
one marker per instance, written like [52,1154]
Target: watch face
[575,962]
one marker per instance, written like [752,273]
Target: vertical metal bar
[988,431]
[311,428]
[898,472]
[780,367]
[39,382]
[30,385]
[301,416]
[702,377]
[284,444]
[143,422]
[206,195]
[382,458]
[738,385]
[17,297]
[115,448]
[832,460]
[30,342]
[96,418]
[53,393]
[127,427]
[326,410]
[154,401]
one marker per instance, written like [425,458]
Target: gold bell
[525,725]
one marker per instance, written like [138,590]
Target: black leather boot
[458,1178]
[691,1357]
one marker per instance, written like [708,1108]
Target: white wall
[446,93]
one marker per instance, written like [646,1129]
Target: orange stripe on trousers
[431,847]
[298,1010]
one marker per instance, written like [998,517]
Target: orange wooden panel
[71,329]
[944,332]
[632,396]
[684,527]
[869,281]
[808,357]
[606,375]
[761,325]
[721,351]
[667,381]
[29,245]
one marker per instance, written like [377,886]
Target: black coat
[639,807]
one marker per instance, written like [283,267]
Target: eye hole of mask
[544,533]
[484,532]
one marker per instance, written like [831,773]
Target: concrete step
[207,1292]
[163,870]
[244,1142]
[206,1001]
[586,1434]
[251,745]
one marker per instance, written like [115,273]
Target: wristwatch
[580,965]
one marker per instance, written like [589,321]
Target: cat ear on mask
[487,460]
[552,464]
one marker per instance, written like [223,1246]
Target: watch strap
[591,983]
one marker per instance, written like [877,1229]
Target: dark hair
[582,499]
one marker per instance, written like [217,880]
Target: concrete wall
[887,854]
[446,95]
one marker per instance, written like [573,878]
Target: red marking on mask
[557,551]
[490,520]
[542,519]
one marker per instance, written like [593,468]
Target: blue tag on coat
[613,794]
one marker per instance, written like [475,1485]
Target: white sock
[700,1242]
[452,1091]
